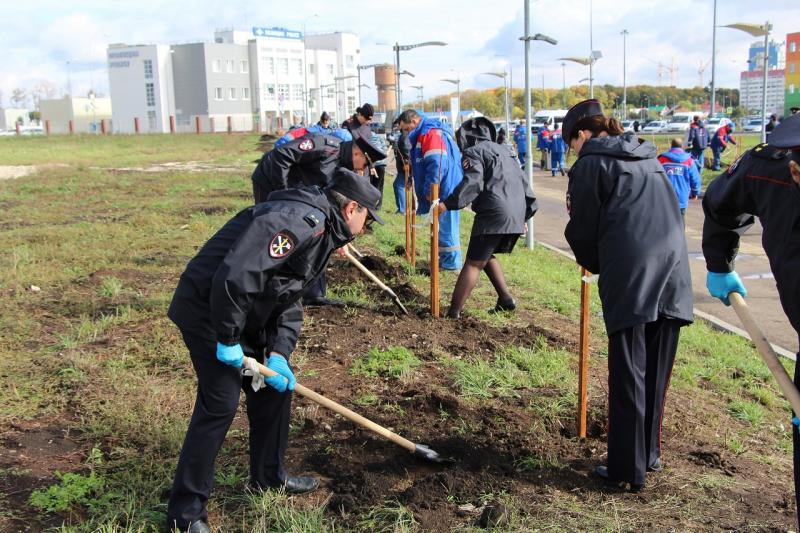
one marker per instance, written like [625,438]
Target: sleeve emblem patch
[465,163]
[280,246]
[306,145]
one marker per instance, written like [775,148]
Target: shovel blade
[423,451]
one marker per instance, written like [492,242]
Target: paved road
[751,264]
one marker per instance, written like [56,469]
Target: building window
[351,85]
[269,65]
[269,91]
[349,61]
[791,68]
[243,67]
[311,68]
[793,47]
[297,67]
[151,120]
[331,92]
[216,65]
[245,93]
[232,93]
[283,66]
[283,91]
[791,88]
[148,69]
[217,93]
[150,94]
[297,91]
[351,104]
[330,69]
[230,63]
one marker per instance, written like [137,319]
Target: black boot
[509,305]
[608,483]
[300,484]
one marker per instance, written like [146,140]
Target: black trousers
[218,389]
[796,445]
[378,182]
[640,362]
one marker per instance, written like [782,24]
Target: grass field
[97,388]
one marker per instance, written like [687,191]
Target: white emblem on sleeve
[280,246]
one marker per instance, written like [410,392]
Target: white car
[657,126]
[752,125]
[627,125]
[713,124]
[678,124]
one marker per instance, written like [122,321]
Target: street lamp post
[421,100]
[457,83]
[503,75]
[404,47]
[306,92]
[624,78]
[342,78]
[359,68]
[527,38]
[399,94]
[712,109]
[757,31]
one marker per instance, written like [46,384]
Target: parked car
[678,124]
[37,130]
[656,126]
[752,125]
[713,124]
[627,125]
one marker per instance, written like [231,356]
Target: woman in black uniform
[625,225]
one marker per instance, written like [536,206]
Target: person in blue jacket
[682,173]
[323,127]
[435,158]
[542,141]
[558,151]
[720,140]
[521,141]
[697,142]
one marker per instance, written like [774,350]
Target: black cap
[362,136]
[787,133]
[367,110]
[357,188]
[581,110]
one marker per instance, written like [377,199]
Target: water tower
[384,82]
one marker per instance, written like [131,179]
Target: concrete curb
[714,322]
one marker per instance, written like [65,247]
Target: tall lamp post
[402,48]
[457,83]
[306,92]
[527,38]
[624,34]
[757,30]
[564,84]
[503,75]
[398,91]
[713,107]
[359,68]
[587,61]
[342,78]
[421,101]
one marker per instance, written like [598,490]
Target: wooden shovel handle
[342,410]
[766,351]
[368,273]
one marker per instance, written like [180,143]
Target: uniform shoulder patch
[281,245]
[732,168]
[306,145]
[465,164]
[332,141]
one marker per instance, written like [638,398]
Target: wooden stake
[408,193]
[583,361]
[434,262]
[413,224]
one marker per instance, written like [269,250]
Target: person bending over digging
[502,200]
[241,295]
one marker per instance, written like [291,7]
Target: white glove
[431,211]
[250,368]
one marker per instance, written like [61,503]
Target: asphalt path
[751,263]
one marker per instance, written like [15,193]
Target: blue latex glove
[796,421]
[278,363]
[720,285]
[230,355]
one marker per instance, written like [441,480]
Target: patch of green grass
[72,490]
[391,517]
[394,362]
[367,400]
[745,411]
[273,511]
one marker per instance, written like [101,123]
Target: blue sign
[281,33]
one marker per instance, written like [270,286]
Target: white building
[9,116]
[751,91]
[84,113]
[264,79]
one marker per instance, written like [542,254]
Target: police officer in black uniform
[312,160]
[240,295]
[502,200]
[760,184]
[625,225]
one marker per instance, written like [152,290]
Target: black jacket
[402,151]
[494,184]
[758,184]
[245,283]
[309,160]
[626,226]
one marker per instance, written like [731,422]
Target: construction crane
[671,68]
[701,69]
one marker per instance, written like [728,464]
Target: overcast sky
[40,37]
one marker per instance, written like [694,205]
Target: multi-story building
[792,84]
[751,91]
[266,79]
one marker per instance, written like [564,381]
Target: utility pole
[528,160]
[624,79]
[712,109]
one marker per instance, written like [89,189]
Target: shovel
[374,278]
[419,450]
[766,351]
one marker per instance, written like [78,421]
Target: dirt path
[10,172]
